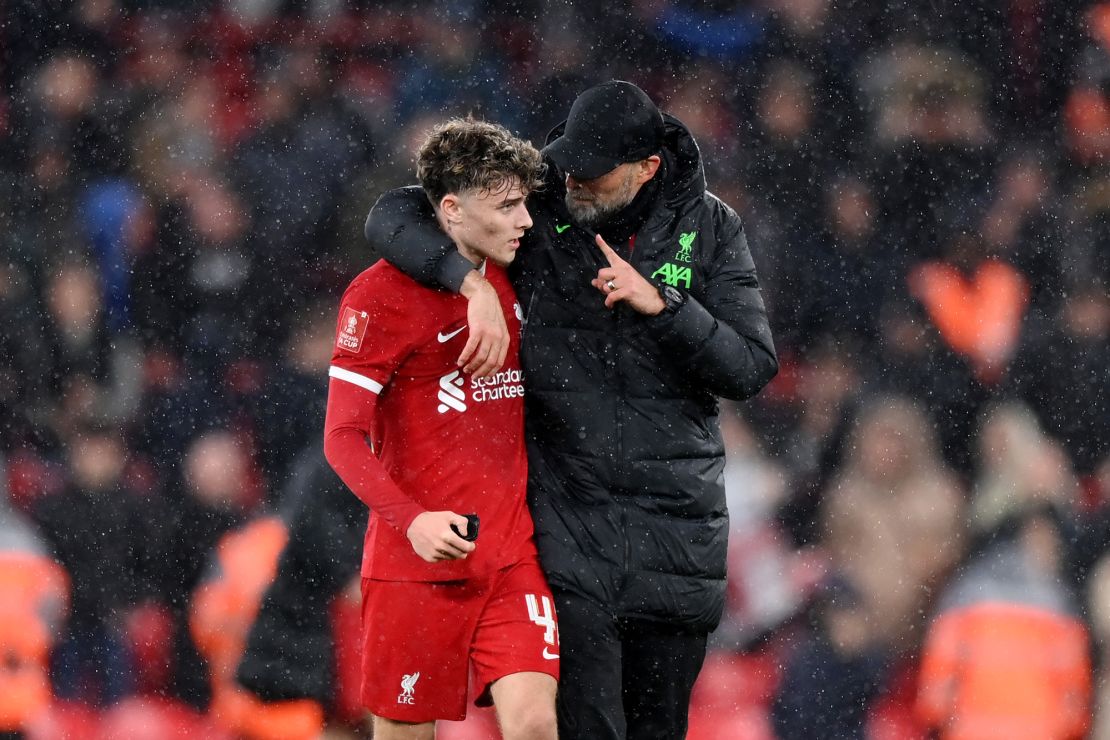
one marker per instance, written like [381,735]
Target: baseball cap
[609,124]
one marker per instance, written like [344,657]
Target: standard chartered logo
[505,384]
[502,385]
[451,395]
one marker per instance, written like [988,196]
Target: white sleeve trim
[360,380]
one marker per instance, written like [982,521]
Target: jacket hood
[685,173]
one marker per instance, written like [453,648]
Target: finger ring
[610,285]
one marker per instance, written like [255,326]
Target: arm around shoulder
[402,229]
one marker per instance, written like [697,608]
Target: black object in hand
[471,528]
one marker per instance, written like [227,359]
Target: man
[627,348]
[448,445]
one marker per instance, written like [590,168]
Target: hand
[433,539]
[630,286]
[488,342]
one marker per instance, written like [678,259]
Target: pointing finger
[613,257]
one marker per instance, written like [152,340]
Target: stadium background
[926,193]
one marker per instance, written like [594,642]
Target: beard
[593,213]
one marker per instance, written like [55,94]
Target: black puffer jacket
[624,447]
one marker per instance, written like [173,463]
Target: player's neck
[473,257]
[470,255]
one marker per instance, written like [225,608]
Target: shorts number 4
[542,613]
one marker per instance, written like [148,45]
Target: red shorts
[419,640]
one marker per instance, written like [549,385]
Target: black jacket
[624,448]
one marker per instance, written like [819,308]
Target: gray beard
[591,215]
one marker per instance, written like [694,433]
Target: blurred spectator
[831,677]
[913,356]
[1019,468]
[112,222]
[828,383]
[893,518]
[34,599]
[893,530]
[76,334]
[1007,655]
[1020,226]
[711,120]
[224,605]
[65,106]
[175,406]
[222,279]
[935,145]
[289,409]
[782,159]
[213,498]
[1098,603]
[460,76]
[22,357]
[810,33]
[306,148]
[95,529]
[289,652]
[766,579]
[1088,109]
[176,140]
[851,273]
[1064,373]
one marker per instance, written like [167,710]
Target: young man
[424,444]
[628,349]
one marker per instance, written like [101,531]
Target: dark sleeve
[724,341]
[402,228]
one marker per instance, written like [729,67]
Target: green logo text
[673,275]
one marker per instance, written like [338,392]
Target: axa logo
[451,395]
[408,688]
[674,275]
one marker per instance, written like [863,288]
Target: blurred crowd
[919,501]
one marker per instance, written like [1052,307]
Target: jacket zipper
[619,466]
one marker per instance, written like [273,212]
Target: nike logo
[548,655]
[447,337]
[561,229]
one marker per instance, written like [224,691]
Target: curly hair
[464,154]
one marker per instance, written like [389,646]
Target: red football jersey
[409,432]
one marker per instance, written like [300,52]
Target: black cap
[609,124]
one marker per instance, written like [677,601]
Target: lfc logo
[408,687]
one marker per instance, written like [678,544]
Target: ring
[610,285]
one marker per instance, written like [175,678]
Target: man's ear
[648,168]
[449,205]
